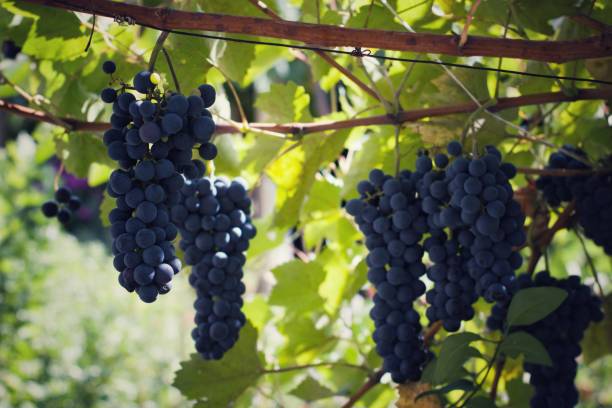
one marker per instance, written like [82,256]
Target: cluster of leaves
[311,315]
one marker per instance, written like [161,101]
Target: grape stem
[591,264]
[158,47]
[499,368]
[171,68]
[468,21]
[58,175]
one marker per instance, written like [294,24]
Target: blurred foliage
[69,336]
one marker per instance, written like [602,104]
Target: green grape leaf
[98,174]
[55,35]
[533,304]
[267,238]
[455,351]
[297,286]
[189,59]
[218,383]
[519,393]
[284,102]
[531,348]
[311,390]
[106,206]
[80,150]
[294,173]
[304,342]
[235,59]
[598,337]
[227,161]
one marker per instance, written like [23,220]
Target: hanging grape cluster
[63,206]
[389,215]
[215,227]
[472,198]
[152,139]
[459,211]
[560,333]
[592,193]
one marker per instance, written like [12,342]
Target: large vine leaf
[190,61]
[533,304]
[55,35]
[79,151]
[294,172]
[530,347]
[311,390]
[455,351]
[598,337]
[218,383]
[284,102]
[297,286]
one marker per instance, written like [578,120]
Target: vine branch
[333,36]
[315,127]
[332,62]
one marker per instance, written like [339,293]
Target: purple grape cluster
[215,226]
[141,228]
[152,137]
[389,214]
[453,292]
[63,206]
[159,126]
[561,333]
[557,190]
[472,197]
[591,192]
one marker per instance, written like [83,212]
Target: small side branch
[468,21]
[158,47]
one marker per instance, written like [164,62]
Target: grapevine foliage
[560,332]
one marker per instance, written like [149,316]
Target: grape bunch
[559,189]
[160,125]
[63,206]
[453,292]
[10,49]
[141,228]
[472,197]
[152,139]
[389,214]
[560,332]
[592,193]
[215,227]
